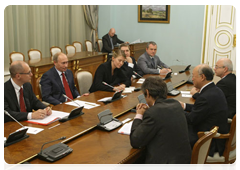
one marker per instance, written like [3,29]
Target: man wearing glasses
[19,98]
[227,84]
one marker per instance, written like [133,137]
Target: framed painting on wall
[154,13]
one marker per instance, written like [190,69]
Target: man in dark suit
[19,99]
[160,126]
[227,84]
[109,40]
[150,63]
[58,81]
[130,65]
[209,109]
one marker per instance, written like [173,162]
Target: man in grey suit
[160,126]
[150,63]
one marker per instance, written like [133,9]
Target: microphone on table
[137,74]
[107,84]
[13,118]
[64,137]
[54,152]
[17,135]
[71,100]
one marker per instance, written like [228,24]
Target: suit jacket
[11,103]
[129,70]
[104,73]
[209,109]
[107,46]
[163,131]
[146,65]
[52,86]
[228,86]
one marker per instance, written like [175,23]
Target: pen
[90,104]
[54,126]
[107,84]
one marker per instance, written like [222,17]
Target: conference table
[90,145]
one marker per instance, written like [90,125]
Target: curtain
[41,27]
[91,16]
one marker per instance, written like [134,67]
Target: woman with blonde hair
[111,73]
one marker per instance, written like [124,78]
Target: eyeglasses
[27,73]
[217,67]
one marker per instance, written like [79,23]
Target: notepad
[128,89]
[140,81]
[126,128]
[56,115]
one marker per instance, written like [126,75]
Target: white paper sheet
[87,105]
[141,80]
[126,128]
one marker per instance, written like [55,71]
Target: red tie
[21,101]
[66,87]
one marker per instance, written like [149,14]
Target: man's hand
[39,114]
[141,108]
[164,71]
[48,111]
[120,87]
[129,59]
[194,90]
[182,104]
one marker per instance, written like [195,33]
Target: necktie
[66,87]
[21,101]
[153,62]
[111,42]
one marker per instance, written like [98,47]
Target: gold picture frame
[154,13]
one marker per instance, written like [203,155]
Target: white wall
[181,39]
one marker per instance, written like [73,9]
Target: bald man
[227,84]
[19,99]
[109,40]
[209,109]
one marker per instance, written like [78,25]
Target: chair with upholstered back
[201,147]
[16,56]
[83,80]
[78,46]
[34,54]
[89,46]
[229,154]
[70,49]
[54,50]
[99,42]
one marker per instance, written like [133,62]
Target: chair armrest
[229,120]
[217,136]
[46,104]
[221,136]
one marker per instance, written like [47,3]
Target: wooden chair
[83,80]
[54,50]
[34,54]
[16,56]
[70,49]
[89,46]
[99,42]
[78,46]
[201,147]
[39,91]
[229,154]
